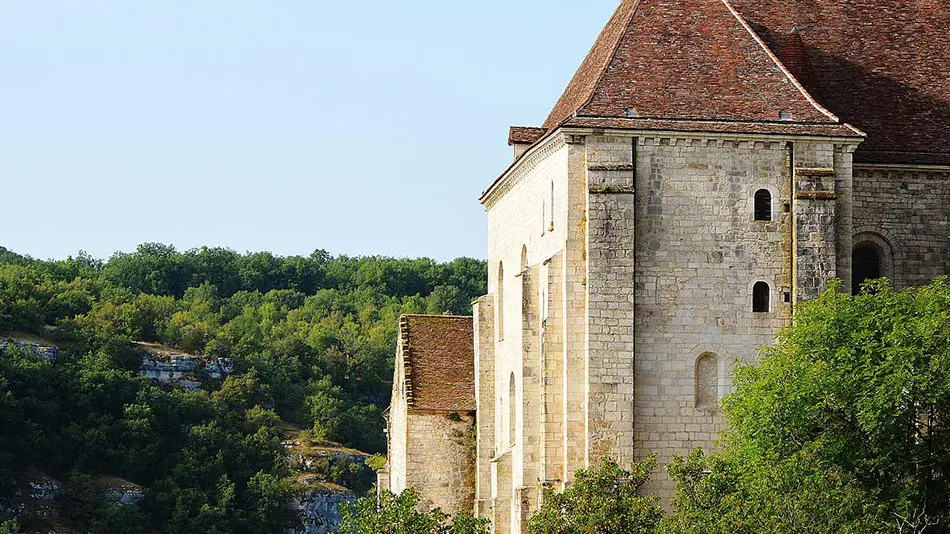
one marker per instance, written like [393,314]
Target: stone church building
[712,164]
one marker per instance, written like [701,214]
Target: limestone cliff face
[44,351]
[320,510]
[183,369]
[330,474]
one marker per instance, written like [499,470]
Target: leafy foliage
[312,339]
[399,514]
[843,427]
[602,500]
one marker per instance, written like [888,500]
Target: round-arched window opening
[707,381]
[865,265]
[760,297]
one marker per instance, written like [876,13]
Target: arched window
[865,265]
[760,297]
[707,381]
[512,413]
[500,305]
[763,205]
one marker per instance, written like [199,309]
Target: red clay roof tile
[524,135]
[678,59]
[882,65]
[440,354]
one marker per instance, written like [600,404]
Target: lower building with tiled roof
[430,420]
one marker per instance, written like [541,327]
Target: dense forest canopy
[312,339]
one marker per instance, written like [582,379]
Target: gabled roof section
[582,85]
[684,59]
[439,360]
[881,65]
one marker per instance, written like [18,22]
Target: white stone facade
[619,318]
[628,272]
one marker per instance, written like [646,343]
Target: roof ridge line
[691,119]
[811,100]
[610,60]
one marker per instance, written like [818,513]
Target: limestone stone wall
[574,308]
[484,334]
[815,231]
[699,253]
[611,267]
[529,223]
[621,278]
[552,365]
[440,460]
[528,431]
[904,210]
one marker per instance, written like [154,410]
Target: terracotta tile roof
[678,59]
[524,135]
[882,65]
[439,356]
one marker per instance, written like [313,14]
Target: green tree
[311,339]
[400,514]
[844,425]
[602,500]
[722,495]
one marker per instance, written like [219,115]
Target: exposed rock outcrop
[186,370]
[331,475]
[320,508]
[46,352]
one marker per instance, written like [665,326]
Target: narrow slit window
[760,297]
[763,205]
[500,290]
[544,217]
[512,412]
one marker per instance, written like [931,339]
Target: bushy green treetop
[605,499]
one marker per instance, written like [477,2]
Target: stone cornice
[567,134]
[718,139]
[521,168]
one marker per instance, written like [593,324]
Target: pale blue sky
[358,127]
